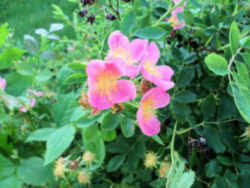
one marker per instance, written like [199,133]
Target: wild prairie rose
[129,53]
[153,99]
[105,89]
[159,75]
[2,83]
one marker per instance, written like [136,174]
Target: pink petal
[2,83]
[149,127]
[33,102]
[117,40]
[179,26]
[23,109]
[126,91]
[99,101]
[137,48]
[160,97]
[177,10]
[132,71]
[152,54]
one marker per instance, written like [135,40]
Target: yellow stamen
[152,69]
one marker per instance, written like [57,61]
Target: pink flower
[174,20]
[159,75]
[34,92]
[105,89]
[2,83]
[129,53]
[153,99]
[27,107]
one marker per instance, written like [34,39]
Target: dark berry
[91,19]
[172,34]
[194,44]
[126,1]
[179,37]
[83,12]
[87,2]
[110,17]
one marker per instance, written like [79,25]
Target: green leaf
[8,57]
[212,168]
[115,163]
[6,167]
[41,134]
[158,139]
[110,121]
[58,142]
[217,64]
[128,22]
[63,110]
[234,37]
[151,33]
[186,180]
[185,97]
[11,182]
[94,143]
[75,78]
[213,139]
[44,76]
[86,121]
[242,101]
[108,136]
[26,68]
[3,33]
[208,107]
[186,76]
[32,171]
[17,83]
[127,126]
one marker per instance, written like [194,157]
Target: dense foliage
[55,132]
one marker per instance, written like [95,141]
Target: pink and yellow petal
[118,40]
[125,91]
[149,127]
[137,49]
[98,100]
[152,54]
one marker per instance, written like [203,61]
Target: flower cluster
[129,58]
[31,100]
[174,20]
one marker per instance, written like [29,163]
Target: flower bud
[164,167]
[83,101]
[150,160]
[73,165]
[83,178]
[88,157]
[59,168]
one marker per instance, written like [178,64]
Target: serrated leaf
[212,168]
[33,172]
[41,134]
[185,97]
[128,22]
[127,126]
[110,121]
[242,101]
[6,167]
[213,139]
[58,142]
[11,182]
[234,37]
[94,143]
[115,163]
[8,57]
[217,64]
[150,33]
[64,108]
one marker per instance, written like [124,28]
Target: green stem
[172,143]
[167,12]
[190,128]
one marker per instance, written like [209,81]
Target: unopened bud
[83,178]
[88,157]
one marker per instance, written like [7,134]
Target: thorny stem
[114,10]
[203,124]
[167,12]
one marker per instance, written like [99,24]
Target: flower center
[106,82]
[123,54]
[148,109]
[152,69]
